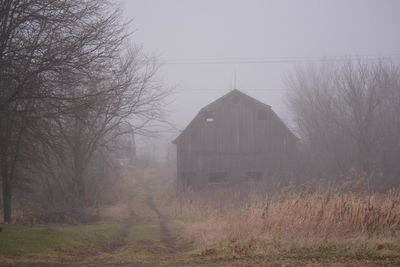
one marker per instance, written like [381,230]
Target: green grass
[22,240]
[141,232]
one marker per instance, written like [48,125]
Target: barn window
[208,116]
[217,177]
[254,176]
[262,115]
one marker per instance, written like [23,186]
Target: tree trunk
[6,184]
[5,178]
[79,186]
[6,200]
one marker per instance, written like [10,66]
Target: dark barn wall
[244,136]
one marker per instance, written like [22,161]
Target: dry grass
[325,220]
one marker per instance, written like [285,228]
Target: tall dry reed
[286,216]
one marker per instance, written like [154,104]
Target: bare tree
[340,110]
[47,47]
[131,99]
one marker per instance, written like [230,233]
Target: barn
[235,139]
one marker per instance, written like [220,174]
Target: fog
[294,31]
[208,132]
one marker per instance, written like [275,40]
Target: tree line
[347,115]
[71,84]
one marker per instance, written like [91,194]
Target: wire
[269,60]
[225,90]
[275,60]
[294,57]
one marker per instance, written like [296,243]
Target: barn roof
[217,101]
[238,93]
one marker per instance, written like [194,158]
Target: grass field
[144,232]
[27,241]
[159,227]
[99,244]
[322,225]
[128,232]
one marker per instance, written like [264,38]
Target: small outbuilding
[232,140]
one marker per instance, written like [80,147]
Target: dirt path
[173,243]
[121,241]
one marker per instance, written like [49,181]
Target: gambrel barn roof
[238,96]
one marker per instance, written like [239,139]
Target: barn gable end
[233,139]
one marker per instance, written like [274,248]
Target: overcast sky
[188,30]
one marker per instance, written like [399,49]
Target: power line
[275,60]
[269,60]
[225,90]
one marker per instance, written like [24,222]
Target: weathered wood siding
[245,135]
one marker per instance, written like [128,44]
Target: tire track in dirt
[171,242]
[121,240]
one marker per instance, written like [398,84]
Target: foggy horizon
[206,32]
[199,133]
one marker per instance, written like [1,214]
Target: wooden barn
[232,140]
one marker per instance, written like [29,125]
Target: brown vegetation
[290,219]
